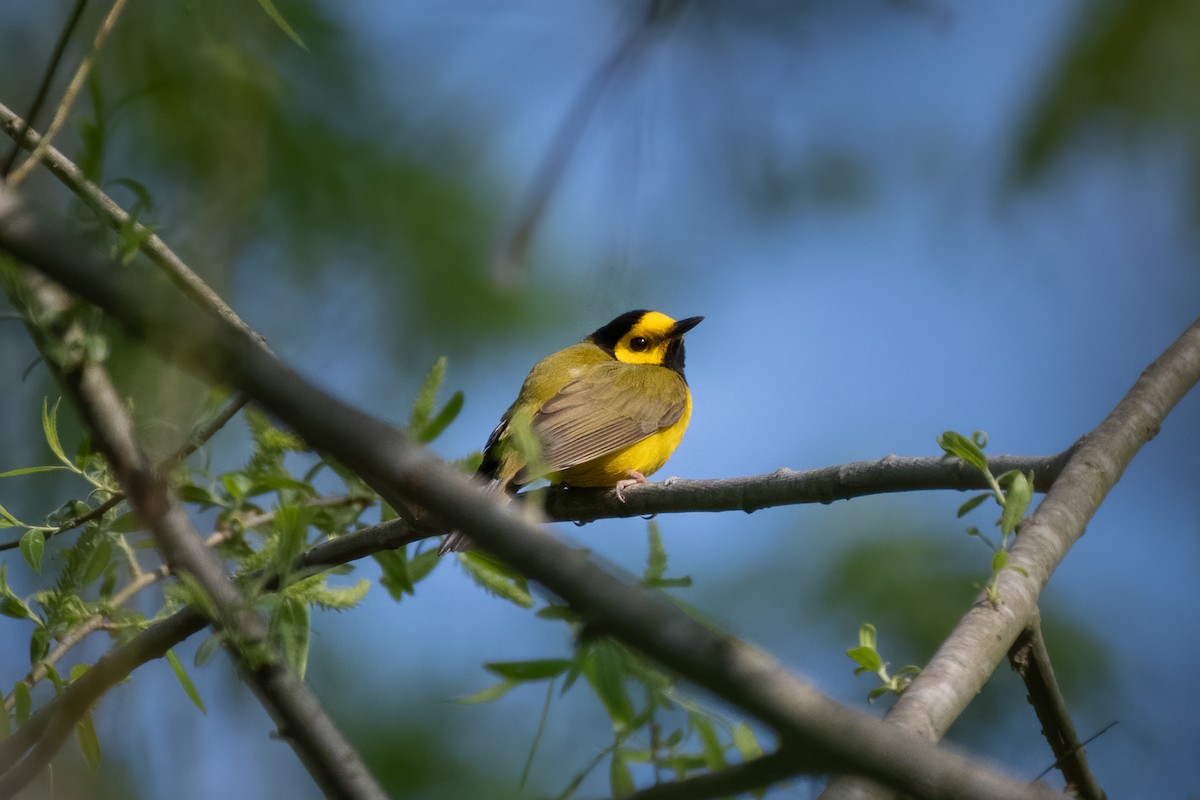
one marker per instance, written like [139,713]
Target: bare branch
[1030,658]
[820,734]
[967,658]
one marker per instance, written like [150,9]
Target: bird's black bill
[683,326]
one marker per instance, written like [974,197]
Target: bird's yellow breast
[646,456]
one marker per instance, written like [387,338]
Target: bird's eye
[638,343]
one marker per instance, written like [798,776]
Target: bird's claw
[633,479]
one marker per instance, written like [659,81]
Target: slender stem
[64,106]
[43,90]
[1031,660]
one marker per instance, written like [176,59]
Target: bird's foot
[632,478]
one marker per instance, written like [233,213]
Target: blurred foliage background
[898,217]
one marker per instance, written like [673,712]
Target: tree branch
[1031,660]
[967,658]
[734,779]
[788,487]
[821,734]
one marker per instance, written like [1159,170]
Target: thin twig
[1084,743]
[820,734]
[68,99]
[1031,660]
[514,246]
[43,90]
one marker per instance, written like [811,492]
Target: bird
[605,412]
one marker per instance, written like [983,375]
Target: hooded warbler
[606,412]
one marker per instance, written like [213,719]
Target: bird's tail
[457,541]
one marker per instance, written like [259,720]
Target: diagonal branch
[820,734]
[967,658]
[1030,658]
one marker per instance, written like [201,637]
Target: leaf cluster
[655,725]
[1012,491]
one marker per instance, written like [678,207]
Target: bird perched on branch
[606,412]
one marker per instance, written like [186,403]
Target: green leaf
[13,606]
[22,702]
[1016,500]
[85,732]
[603,668]
[867,658]
[7,520]
[867,636]
[972,504]
[185,681]
[291,528]
[98,560]
[395,578]
[125,523]
[290,630]
[50,431]
[958,445]
[496,578]
[656,560]
[745,742]
[207,649]
[877,692]
[12,473]
[33,544]
[536,670]
[191,493]
[269,7]
[422,564]
[423,405]
[39,644]
[620,779]
[434,428]
[237,485]
[999,561]
[557,612]
[489,694]
[714,753]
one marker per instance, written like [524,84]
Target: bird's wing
[611,406]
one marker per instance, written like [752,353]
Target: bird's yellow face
[646,337]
